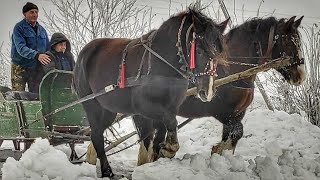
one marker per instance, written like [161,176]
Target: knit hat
[28,7]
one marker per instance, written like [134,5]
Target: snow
[275,146]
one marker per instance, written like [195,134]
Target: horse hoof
[155,157]
[170,147]
[103,173]
[106,174]
[116,177]
[223,145]
[167,154]
[216,150]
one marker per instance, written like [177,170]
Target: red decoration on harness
[122,76]
[192,58]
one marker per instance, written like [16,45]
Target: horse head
[288,43]
[206,50]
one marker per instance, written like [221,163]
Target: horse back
[98,64]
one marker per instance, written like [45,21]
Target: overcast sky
[11,10]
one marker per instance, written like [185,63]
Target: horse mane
[202,23]
[251,26]
[193,10]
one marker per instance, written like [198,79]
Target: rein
[107,89]
[142,42]
[163,60]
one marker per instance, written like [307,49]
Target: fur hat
[28,7]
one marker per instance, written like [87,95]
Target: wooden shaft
[277,63]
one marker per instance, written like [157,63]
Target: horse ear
[289,23]
[223,25]
[297,23]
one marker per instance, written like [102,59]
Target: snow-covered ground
[276,146]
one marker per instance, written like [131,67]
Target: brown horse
[252,43]
[153,76]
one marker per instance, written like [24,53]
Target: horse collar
[182,60]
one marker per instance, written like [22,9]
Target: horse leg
[73,155]
[170,146]
[231,133]
[99,119]
[145,131]
[162,108]
[152,136]
[159,138]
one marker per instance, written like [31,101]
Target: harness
[122,82]
[186,69]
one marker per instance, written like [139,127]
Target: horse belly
[118,101]
[161,92]
[227,102]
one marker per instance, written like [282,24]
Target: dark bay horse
[151,75]
[252,43]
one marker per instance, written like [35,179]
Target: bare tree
[4,66]
[84,20]
[308,98]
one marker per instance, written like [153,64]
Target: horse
[148,76]
[253,43]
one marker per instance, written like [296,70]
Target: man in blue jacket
[29,43]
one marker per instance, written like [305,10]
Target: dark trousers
[20,77]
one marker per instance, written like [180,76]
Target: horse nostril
[202,91]
[202,95]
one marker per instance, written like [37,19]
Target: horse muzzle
[295,74]
[205,94]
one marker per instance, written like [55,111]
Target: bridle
[280,39]
[210,68]
[268,56]
[275,41]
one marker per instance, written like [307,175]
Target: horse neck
[164,43]
[247,46]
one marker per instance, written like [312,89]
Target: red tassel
[192,58]
[122,76]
